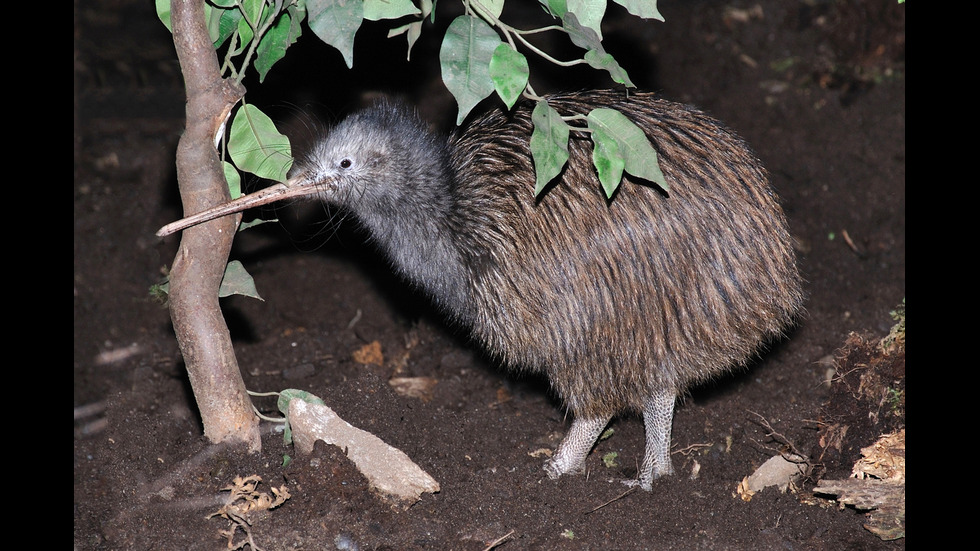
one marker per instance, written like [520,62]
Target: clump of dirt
[867,399]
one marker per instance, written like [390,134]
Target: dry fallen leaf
[243,500]
[503,395]
[877,485]
[414,387]
[884,460]
[369,354]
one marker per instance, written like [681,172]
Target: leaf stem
[509,32]
[258,33]
[260,415]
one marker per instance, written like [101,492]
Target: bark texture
[198,268]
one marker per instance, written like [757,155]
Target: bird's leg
[570,456]
[658,414]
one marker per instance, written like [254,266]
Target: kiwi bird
[622,303]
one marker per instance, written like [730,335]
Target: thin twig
[772,433]
[498,541]
[354,320]
[692,447]
[620,496]
[851,244]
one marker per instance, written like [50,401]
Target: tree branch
[195,277]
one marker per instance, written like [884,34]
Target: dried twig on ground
[243,501]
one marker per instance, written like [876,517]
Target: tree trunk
[195,277]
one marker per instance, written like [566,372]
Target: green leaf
[237,281]
[257,222]
[490,8]
[412,32]
[465,58]
[245,34]
[233,178]
[283,404]
[589,13]
[336,22]
[376,10]
[257,146]
[580,35]
[252,10]
[222,23]
[163,12]
[509,72]
[291,394]
[557,8]
[595,54]
[297,13]
[646,9]
[620,139]
[599,59]
[549,144]
[273,45]
[608,161]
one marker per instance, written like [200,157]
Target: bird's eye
[346,163]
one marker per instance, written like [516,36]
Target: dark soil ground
[817,87]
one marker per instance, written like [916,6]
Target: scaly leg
[658,415]
[570,457]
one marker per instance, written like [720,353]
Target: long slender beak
[294,187]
